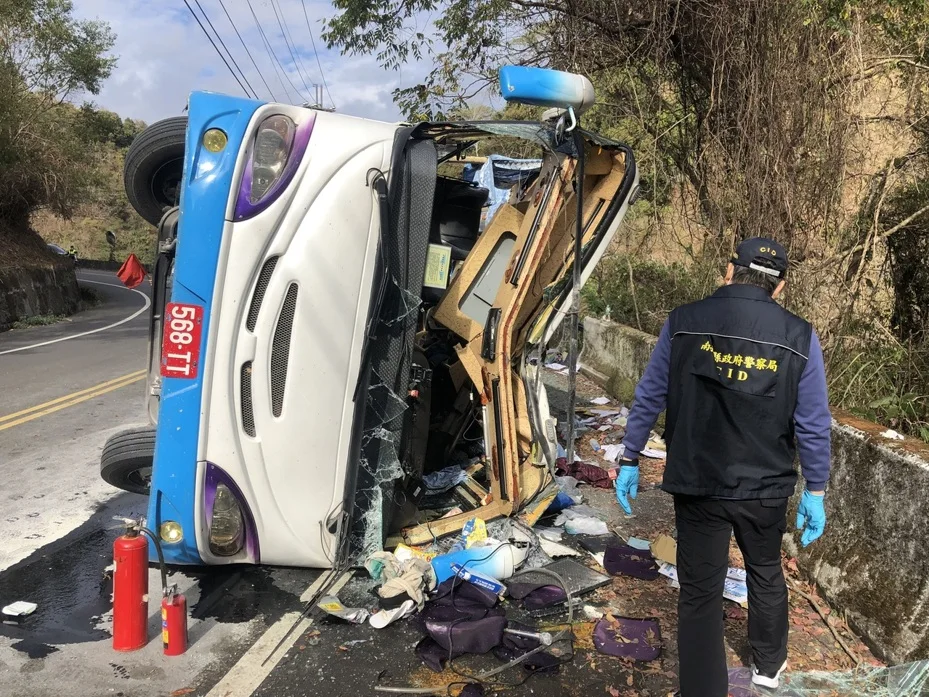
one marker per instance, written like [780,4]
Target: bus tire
[154,168]
[127,459]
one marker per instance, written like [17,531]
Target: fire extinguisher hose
[161,558]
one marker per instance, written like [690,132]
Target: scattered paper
[556,549]
[604,412]
[332,605]
[20,608]
[556,366]
[736,574]
[654,454]
[551,534]
[600,401]
[602,429]
[612,451]
[664,549]
[733,589]
[893,435]
[384,617]
[592,613]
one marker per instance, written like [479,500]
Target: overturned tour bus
[336,318]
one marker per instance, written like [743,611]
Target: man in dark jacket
[744,386]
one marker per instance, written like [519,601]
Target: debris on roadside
[333,606]
[20,608]
[578,523]
[664,549]
[735,588]
[381,619]
[624,637]
[623,559]
[493,557]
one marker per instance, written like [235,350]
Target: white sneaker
[765,680]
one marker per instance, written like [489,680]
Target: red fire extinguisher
[130,595]
[130,591]
[173,622]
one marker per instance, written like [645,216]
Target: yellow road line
[71,403]
[71,396]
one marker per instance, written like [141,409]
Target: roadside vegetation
[60,156]
[802,120]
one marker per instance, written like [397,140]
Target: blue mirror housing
[548,88]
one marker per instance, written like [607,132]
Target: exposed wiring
[226,48]
[216,48]
[289,42]
[275,61]
[316,54]
[248,53]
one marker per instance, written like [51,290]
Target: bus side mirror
[547,88]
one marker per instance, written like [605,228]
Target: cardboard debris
[664,549]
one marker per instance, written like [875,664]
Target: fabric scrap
[415,578]
[624,637]
[445,479]
[586,473]
[382,566]
[623,559]
[431,654]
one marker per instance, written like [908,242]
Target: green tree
[47,57]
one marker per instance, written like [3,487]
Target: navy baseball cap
[762,254]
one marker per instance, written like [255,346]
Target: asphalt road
[63,390]
[58,404]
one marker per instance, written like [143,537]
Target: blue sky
[163,56]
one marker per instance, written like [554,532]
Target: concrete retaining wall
[30,292]
[873,562]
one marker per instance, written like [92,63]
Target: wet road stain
[231,595]
[68,582]
[70,590]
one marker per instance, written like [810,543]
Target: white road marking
[131,317]
[248,673]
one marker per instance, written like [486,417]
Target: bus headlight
[171,532]
[272,146]
[273,157]
[227,528]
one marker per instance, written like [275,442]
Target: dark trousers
[704,528]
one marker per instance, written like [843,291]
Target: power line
[226,48]
[293,54]
[272,54]
[216,48]
[316,53]
[249,53]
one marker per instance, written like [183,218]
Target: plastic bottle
[496,559]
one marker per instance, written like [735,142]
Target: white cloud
[163,56]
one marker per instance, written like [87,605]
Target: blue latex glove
[627,484]
[811,517]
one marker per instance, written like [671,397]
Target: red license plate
[180,345]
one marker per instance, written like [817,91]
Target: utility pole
[317,104]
